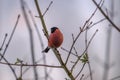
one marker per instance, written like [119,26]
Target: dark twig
[90,71]
[111,22]
[41,18]
[75,63]
[80,70]
[3,41]
[21,69]
[73,45]
[75,51]
[73,38]
[47,8]
[10,37]
[10,66]
[82,77]
[33,65]
[86,44]
[68,51]
[96,23]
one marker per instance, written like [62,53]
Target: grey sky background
[68,15]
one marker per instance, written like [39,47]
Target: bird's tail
[46,50]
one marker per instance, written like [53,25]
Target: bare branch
[86,42]
[48,8]
[103,13]
[7,45]
[80,71]
[68,51]
[82,77]
[3,41]
[34,65]
[13,71]
[97,22]
[41,18]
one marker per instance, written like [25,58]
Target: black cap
[53,29]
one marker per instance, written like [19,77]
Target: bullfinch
[55,39]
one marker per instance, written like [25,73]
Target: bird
[55,39]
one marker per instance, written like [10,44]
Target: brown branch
[41,18]
[86,42]
[7,45]
[80,70]
[48,8]
[68,51]
[82,77]
[3,41]
[97,22]
[103,13]
[33,65]
[13,71]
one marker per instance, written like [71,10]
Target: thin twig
[90,70]
[21,69]
[72,46]
[2,55]
[10,37]
[75,51]
[73,38]
[97,22]
[80,71]
[86,44]
[3,41]
[103,13]
[10,66]
[48,8]
[41,18]
[68,51]
[32,65]
[75,63]
[82,77]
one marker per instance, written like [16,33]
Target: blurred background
[69,16]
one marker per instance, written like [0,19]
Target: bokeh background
[68,15]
